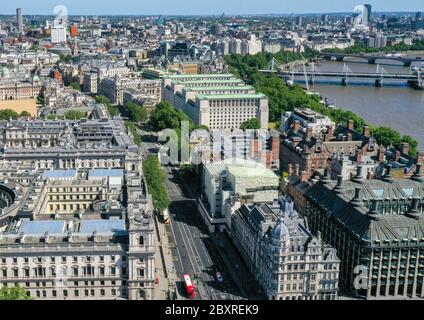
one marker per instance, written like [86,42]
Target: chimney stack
[366,131]
[381,154]
[359,156]
[350,124]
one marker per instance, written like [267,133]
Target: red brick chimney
[349,137]
[290,169]
[381,154]
[420,158]
[359,156]
[366,132]
[397,156]
[304,176]
[350,124]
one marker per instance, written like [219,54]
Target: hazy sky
[151,7]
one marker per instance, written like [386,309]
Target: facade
[376,227]
[76,220]
[246,179]
[309,147]
[90,82]
[19,89]
[285,258]
[102,252]
[261,146]
[58,34]
[217,101]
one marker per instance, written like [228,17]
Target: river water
[394,105]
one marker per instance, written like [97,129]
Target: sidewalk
[164,265]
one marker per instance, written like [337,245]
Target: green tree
[137,113]
[25,114]
[253,123]
[75,85]
[7,114]
[131,126]
[113,110]
[155,179]
[75,115]
[16,293]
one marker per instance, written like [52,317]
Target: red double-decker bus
[189,286]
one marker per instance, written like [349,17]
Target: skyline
[192,7]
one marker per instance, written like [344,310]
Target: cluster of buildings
[76,219]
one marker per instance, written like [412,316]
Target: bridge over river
[372,59]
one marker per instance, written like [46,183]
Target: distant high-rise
[19,21]
[299,21]
[418,16]
[368,13]
[362,15]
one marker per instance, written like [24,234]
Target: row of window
[64,259]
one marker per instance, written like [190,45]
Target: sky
[202,7]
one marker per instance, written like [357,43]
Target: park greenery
[155,179]
[136,113]
[253,123]
[15,293]
[113,110]
[75,115]
[7,114]
[359,48]
[75,86]
[133,129]
[283,98]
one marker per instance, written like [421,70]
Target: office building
[376,226]
[285,258]
[19,21]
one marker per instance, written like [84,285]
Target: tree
[25,114]
[113,111]
[16,293]
[253,123]
[75,86]
[131,126]
[155,179]
[166,116]
[7,114]
[74,115]
[137,113]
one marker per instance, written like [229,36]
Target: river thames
[394,105]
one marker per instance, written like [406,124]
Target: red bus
[189,286]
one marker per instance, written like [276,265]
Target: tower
[19,21]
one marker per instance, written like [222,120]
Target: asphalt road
[196,252]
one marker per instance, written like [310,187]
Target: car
[219,277]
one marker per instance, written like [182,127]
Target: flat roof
[189,88]
[41,227]
[209,75]
[210,81]
[102,226]
[100,173]
[60,174]
[231,96]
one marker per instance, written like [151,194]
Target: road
[195,251]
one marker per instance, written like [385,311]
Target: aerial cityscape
[220,154]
